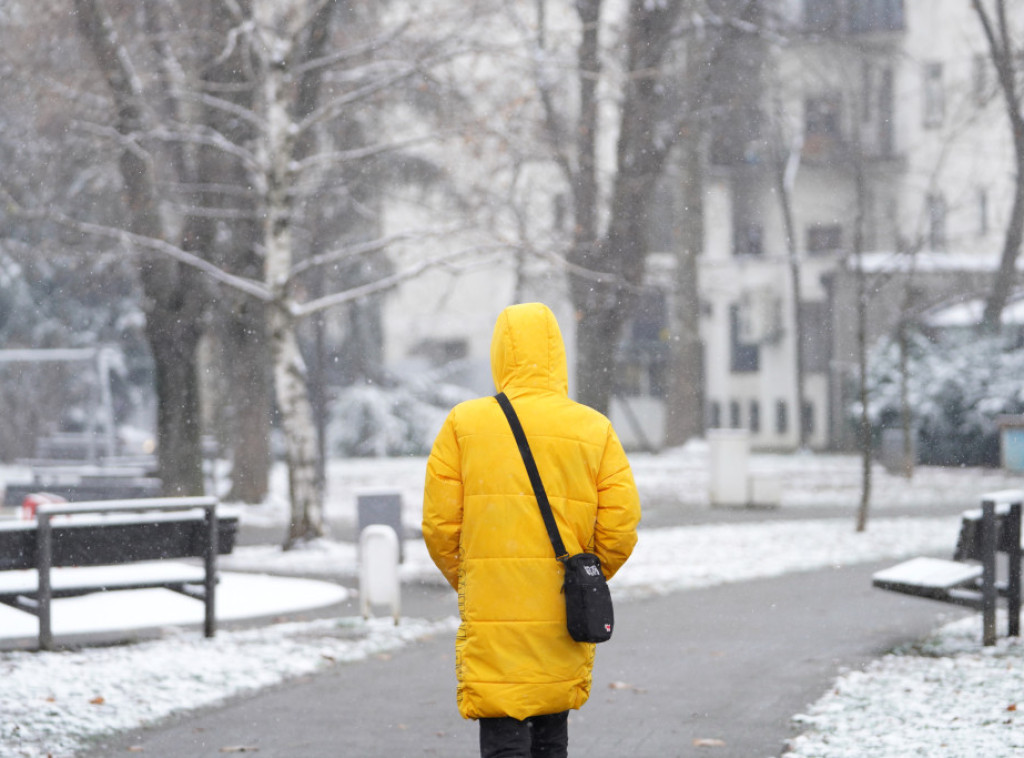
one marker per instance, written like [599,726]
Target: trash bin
[381,507]
[891,453]
[729,465]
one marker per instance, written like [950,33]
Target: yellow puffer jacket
[484,530]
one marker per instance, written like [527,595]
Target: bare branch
[362,153]
[364,248]
[589,274]
[222,214]
[211,188]
[127,142]
[129,239]
[351,53]
[385,283]
[210,138]
[219,103]
[335,107]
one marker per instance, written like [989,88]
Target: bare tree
[863,297]
[274,142]
[607,261]
[1005,56]
[174,292]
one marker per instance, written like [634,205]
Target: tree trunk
[685,404]
[242,322]
[785,190]
[173,342]
[604,307]
[906,414]
[597,339]
[299,431]
[172,291]
[292,392]
[246,360]
[1005,59]
[862,352]
[591,336]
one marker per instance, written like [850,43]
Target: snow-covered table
[80,548]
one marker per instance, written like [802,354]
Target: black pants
[536,737]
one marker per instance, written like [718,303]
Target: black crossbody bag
[588,603]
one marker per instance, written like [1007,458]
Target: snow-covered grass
[674,479]
[705,555]
[946,697]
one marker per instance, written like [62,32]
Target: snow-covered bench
[87,483]
[76,549]
[971,578]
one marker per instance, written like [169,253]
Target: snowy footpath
[943,696]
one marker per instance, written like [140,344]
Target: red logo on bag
[607,627]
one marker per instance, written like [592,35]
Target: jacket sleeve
[618,508]
[442,503]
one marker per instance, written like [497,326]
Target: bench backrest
[113,538]
[969,543]
[87,489]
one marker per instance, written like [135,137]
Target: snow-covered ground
[945,696]
[678,479]
[924,700]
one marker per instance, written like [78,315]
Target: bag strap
[531,469]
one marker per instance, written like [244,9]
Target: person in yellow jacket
[519,672]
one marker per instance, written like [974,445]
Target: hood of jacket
[527,350]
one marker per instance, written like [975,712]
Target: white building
[898,93]
[883,123]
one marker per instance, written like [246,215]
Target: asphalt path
[713,673]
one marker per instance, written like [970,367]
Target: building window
[876,16]
[867,88]
[824,238]
[936,209]
[715,415]
[781,417]
[822,15]
[755,417]
[934,96]
[982,211]
[886,138]
[807,419]
[749,240]
[735,422]
[745,358]
[821,116]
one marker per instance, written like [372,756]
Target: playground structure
[99,439]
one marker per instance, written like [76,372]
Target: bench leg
[988,577]
[44,560]
[1013,526]
[210,564]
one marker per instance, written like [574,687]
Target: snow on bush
[958,382]
[370,420]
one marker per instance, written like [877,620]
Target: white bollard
[378,569]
